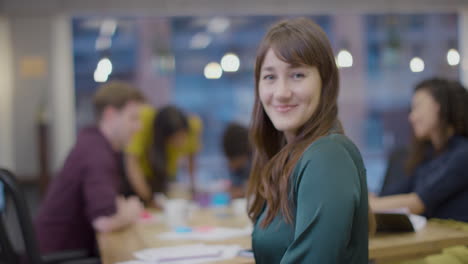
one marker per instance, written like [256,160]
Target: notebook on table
[399,220]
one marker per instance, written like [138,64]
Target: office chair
[396,168]
[18,242]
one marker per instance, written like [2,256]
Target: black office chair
[396,168]
[18,242]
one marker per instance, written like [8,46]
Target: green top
[329,191]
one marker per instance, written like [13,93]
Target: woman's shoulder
[332,142]
[335,155]
[337,146]
[195,123]
[147,112]
[459,147]
[460,142]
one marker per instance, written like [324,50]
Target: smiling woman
[308,180]
[289,94]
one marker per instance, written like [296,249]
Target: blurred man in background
[83,198]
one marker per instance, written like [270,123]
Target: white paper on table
[133,262]
[418,222]
[187,254]
[400,210]
[214,234]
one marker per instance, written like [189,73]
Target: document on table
[185,254]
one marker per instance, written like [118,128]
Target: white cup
[176,212]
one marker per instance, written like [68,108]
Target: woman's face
[289,94]
[178,139]
[424,116]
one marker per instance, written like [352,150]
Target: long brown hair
[167,122]
[298,42]
[452,99]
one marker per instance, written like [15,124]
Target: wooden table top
[119,246]
[402,246]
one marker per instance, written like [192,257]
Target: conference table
[383,248]
[120,245]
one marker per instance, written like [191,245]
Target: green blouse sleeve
[326,192]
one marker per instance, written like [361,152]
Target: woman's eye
[268,77]
[298,75]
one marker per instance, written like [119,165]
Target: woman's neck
[440,137]
[289,136]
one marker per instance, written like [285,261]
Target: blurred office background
[199,55]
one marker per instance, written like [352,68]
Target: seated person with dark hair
[83,198]
[438,161]
[238,152]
